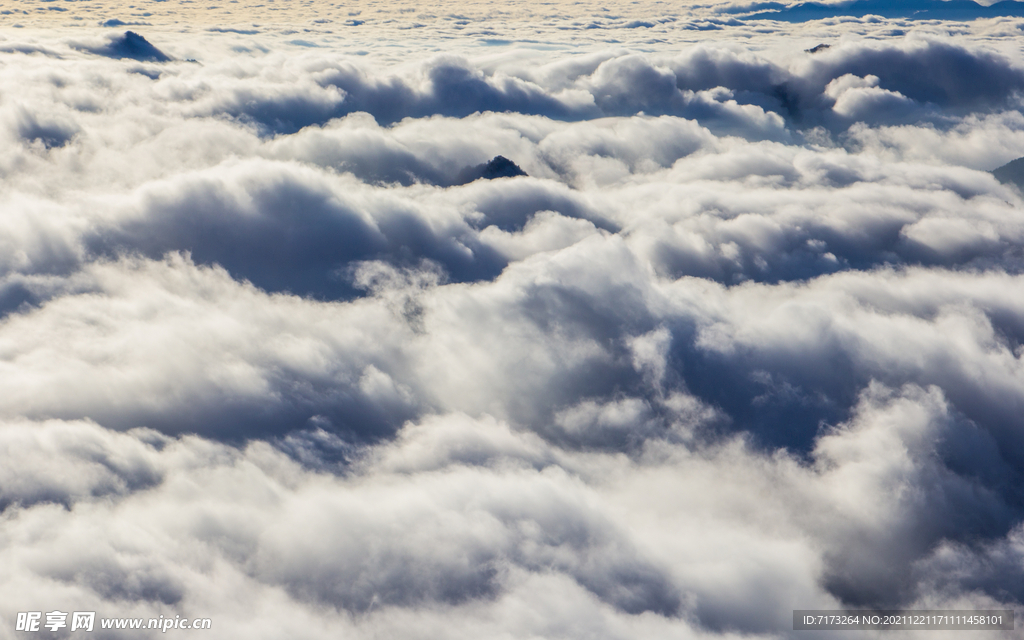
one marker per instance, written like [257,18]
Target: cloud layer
[746,337]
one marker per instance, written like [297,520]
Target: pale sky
[303,12]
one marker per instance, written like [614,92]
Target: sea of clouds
[748,338]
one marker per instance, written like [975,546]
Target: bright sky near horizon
[313,12]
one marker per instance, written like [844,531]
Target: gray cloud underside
[747,338]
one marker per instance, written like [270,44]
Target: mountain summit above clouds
[915,9]
[1011,173]
[132,45]
[498,167]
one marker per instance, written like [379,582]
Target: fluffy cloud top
[746,337]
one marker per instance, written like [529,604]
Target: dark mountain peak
[818,48]
[1011,173]
[498,167]
[132,45]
